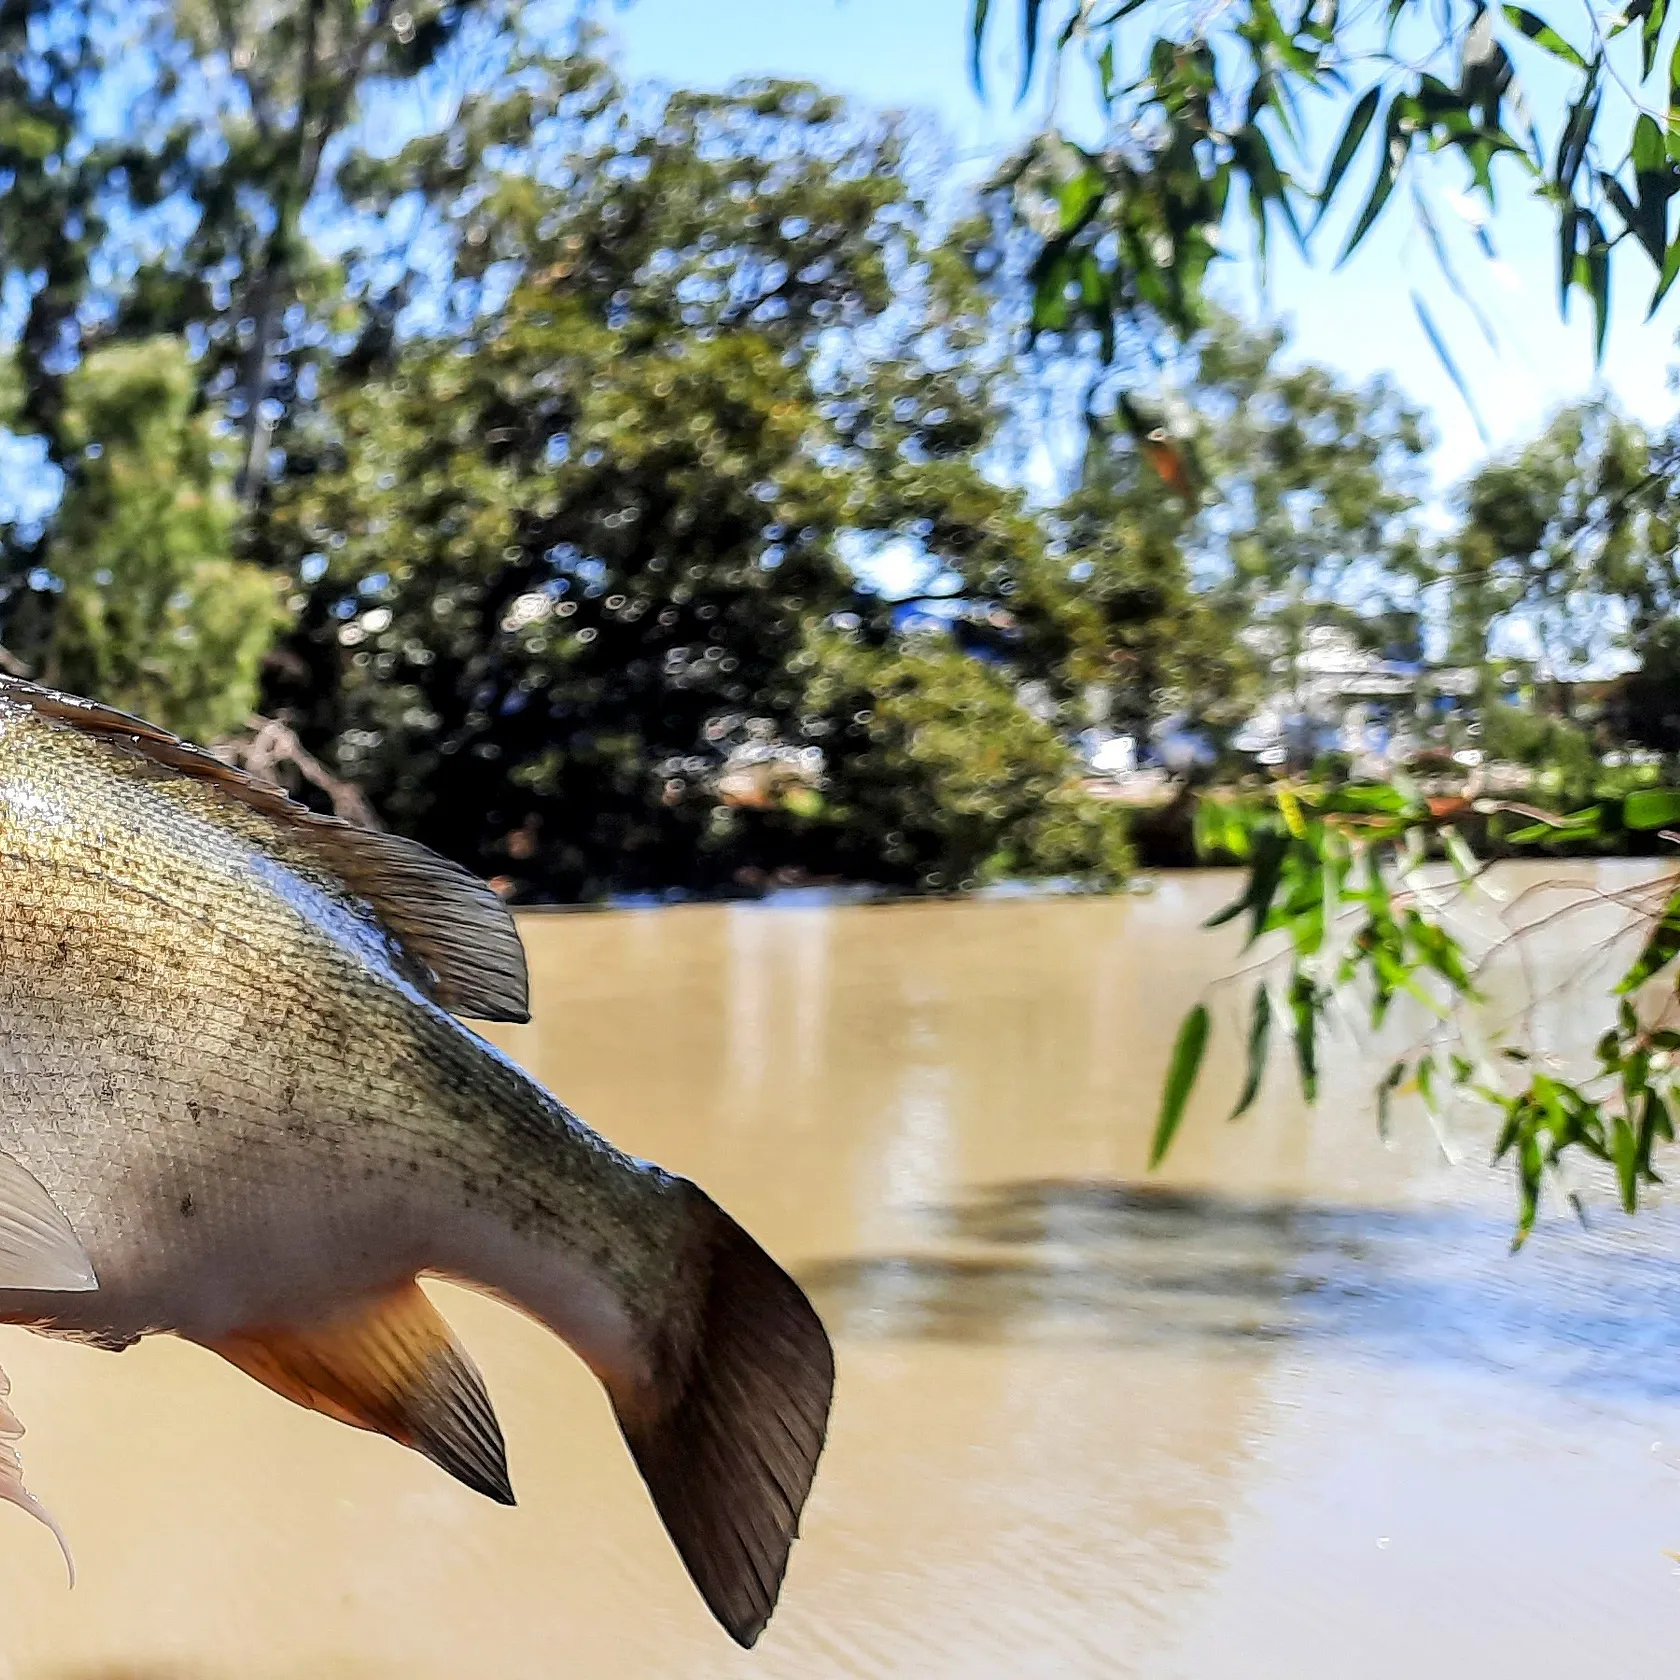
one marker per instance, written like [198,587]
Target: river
[1286,1409]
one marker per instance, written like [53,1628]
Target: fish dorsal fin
[38,1248]
[11,1476]
[392,1366]
[446,921]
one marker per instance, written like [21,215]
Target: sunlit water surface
[1287,1409]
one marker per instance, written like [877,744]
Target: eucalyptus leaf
[1661,947]
[1445,357]
[1186,1063]
[1259,1039]
[1543,35]
[1395,148]
[1358,124]
[977,38]
[1648,808]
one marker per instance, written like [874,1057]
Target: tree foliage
[1357,896]
[1336,872]
[561,561]
[573,424]
[154,615]
[1574,535]
[1566,545]
[161,164]
[942,775]
[1211,118]
[1306,510]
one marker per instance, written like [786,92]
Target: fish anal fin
[393,1366]
[728,1431]
[39,1248]
[449,925]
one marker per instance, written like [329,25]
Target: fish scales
[226,1066]
[173,984]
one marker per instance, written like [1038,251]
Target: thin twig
[273,745]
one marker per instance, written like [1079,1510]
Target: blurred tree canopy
[158,162]
[1575,531]
[562,558]
[623,489]
[1305,511]
[155,615]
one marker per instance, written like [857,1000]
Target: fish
[239,1105]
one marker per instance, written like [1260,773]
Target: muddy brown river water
[1287,1409]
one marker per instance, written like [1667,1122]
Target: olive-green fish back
[451,935]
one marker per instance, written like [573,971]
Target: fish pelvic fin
[38,1247]
[393,1366]
[728,1432]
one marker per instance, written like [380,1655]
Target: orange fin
[11,1476]
[392,1366]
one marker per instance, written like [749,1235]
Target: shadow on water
[126,1671]
[1106,1263]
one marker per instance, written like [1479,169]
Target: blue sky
[914,54]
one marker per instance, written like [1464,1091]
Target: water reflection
[1129,1265]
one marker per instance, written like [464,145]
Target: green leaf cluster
[1331,868]
[578,574]
[1245,116]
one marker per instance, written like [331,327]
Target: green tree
[154,615]
[940,777]
[1137,631]
[560,559]
[1574,535]
[1318,487]
[161,161]
[283,81]
[1300,507]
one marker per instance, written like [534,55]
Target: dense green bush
[941,779]
[155,615]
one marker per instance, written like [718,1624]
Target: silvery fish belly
[238,1108]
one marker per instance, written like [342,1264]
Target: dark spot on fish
[187,1208]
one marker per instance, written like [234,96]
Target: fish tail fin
[727,1432]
